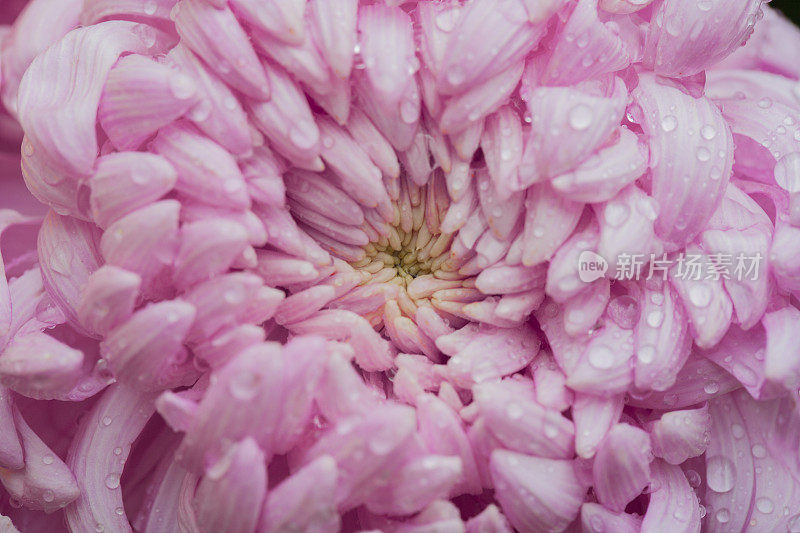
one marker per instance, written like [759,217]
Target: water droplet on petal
[646,354]
[720,473]
[112,481]
[181,86]
[580,117]
[514,411]
[601,357]
[669,123]
[244,386]
[700,295]
[765,505]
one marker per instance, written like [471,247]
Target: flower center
[401,256]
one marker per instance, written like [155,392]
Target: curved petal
[125,181]
[536,494]
[680,435]
[705,162]
[306,499]
[686,38]
[98,454]
[230,494]
[621,468]
[673,504]
[139,97]
[60,118]
[216,36]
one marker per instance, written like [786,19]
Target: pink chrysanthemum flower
[400,266]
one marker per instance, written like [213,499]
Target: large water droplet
[514,411]
[765,505]
[669,123]
[303,134]
[447,18]
[181,86]
[112,481]
[580,117]
[655,318]
[723,516]
[646,354]
[601,357]
[244,386]
[720,473]
[700,295]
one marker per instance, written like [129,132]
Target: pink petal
[673,504]
[604,174]
[145,241]
[219,114]
[356,173]
[216,37]
[95,11]
[606,365]
[781,360]
[549,221]
[490,520]
[662,344]
[11,454]
[536,494]
[626,226]
[68,254]
[681,32]
[486,40]
[587,48]
[596,517]
[287,120]
[215,178]
[365,449]
[522,425]
[45,483]
[511,351]
[146,351]
[98,454]
[594,416]
[140,96]
[681,435]
[208,248]
[125,181]
[697,381]
[59,118]
[479,101]
[705,165]
[568,125]
[622,466]
[282,19]
[306,499]
[230,494]
[502,145]
[443,433]
[229,300]
[708,306]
